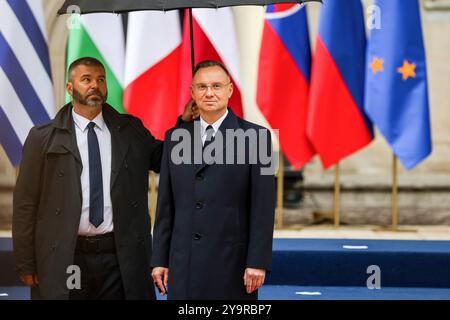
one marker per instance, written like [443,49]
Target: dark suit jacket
[48,199]
[213,221]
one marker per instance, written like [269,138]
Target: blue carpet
[324,262]
[274,292]
[23,293]
[14,293]
[269,292]
[8,276]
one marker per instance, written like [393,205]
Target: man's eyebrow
[90,75]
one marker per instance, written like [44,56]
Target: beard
[87,101]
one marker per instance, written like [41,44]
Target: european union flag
[396,97]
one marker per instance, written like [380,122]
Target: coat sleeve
[262,212]
[26,203]
[156,149]
[155,145]
[165,211]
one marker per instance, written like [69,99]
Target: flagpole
[191,30]
[152,196]
[280,183]
[394,202]
[337,195]
[394,206]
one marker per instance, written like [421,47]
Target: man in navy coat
[215,213]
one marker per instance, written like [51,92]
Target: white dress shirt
[215,125]
[104,141]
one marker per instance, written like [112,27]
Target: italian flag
[101,36]
[153,69]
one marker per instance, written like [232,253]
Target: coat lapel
[66,138]
[194,128]
[230,122]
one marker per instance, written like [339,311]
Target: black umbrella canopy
[122,6]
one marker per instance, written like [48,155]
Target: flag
[152,69]
[26,90]
[101,36]
[396,81]
[337,123]
[214,39]
[283,79]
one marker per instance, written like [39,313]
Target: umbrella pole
[191,31]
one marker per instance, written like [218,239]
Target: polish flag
[214,39]
[152,69]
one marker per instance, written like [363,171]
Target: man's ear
[69,88]
[230,89]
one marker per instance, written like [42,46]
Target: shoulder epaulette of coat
[43,125]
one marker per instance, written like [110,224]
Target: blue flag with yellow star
[396,93]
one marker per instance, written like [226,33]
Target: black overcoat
[48,199]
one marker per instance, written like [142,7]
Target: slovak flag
[283,79]
[152,68]
[214,39]
[337,124]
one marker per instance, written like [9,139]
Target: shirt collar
[215,125]
[82,122]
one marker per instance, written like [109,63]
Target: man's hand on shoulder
[190,112]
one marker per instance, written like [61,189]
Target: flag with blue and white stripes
[26,90]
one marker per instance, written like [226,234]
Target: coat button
[58,211]
[134,204]
[200,177]
[60,173]
[199,205]
[197,236]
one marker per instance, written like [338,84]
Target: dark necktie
[95,178]
[209,136]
